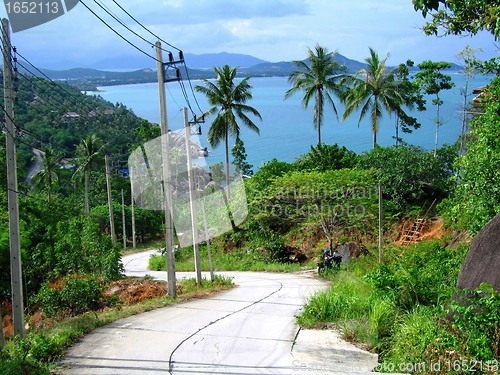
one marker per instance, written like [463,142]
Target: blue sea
[287,130]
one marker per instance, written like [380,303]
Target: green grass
[229,262]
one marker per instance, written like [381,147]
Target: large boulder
[482,264]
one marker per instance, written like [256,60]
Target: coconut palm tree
[318,78]
[48,175]
[228,99]
[88,154]
[372,89]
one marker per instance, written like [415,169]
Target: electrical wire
[117,33]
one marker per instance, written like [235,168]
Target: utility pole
[132,207]
[13,202]
[192,199]
[124,230]
[110,201]
[167,187]
[380,223]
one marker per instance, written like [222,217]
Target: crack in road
[171,363]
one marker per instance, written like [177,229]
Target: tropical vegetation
[318,77]
[398,301]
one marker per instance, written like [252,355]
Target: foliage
[475,316]
[318,78]
[74,294]
[477,198]
[228,100]
[411,96]
[49,174]
[409,175]
[342,198]
[458,17]
[264,176]
[240,158]
[411,278]
[373,89]
[327,157]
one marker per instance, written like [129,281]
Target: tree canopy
[458,17]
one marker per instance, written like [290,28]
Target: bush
[425,274]
[74,294]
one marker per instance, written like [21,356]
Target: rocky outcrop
[482,264]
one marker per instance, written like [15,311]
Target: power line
[145,28]
[124,25]
[117,33]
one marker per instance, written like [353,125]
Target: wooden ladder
[412,234]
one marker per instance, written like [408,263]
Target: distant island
[198,67]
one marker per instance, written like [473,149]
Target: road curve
[246,330]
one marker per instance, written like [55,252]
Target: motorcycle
[330,261]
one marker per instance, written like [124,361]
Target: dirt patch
[130,291]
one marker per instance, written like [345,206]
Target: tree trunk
[86,193]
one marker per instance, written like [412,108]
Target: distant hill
[200,67]
[209,60]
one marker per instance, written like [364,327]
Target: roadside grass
[38,351]
[184,262]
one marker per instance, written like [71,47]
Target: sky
[272,30]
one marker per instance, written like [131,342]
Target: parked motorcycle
[330,261]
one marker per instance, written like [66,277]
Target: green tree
[372,89]
[411,97]
[318,78]
[228,99]
[88,153]
[240,158]
[327,158]
[432,81]
[48,176]
[478,196]
[410,176]
[467,59]
[458,17]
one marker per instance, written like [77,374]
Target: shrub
[74,294]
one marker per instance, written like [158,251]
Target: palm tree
[228,100]
[372,89]
[88,153]
[48,175]
[317,77]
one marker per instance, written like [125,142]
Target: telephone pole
[110,201]
[192,199]
[124,229]
[13,202]
[167,187]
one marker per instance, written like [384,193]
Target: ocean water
[287,130]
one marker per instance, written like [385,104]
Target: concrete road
[247,330]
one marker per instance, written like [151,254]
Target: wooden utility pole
[192,199]
[132,208]
[124,230]
[13,202]
[380,223]
[110,201]
[167,187]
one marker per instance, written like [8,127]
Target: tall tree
[432,81]
[48,175]
[88,153]
[372,89]
[318,78]
[240,158]
[228,99]
[411,97]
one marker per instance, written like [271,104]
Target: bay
[286,130]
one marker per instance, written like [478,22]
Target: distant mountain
[200,67]
[205,61]
[209,60]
